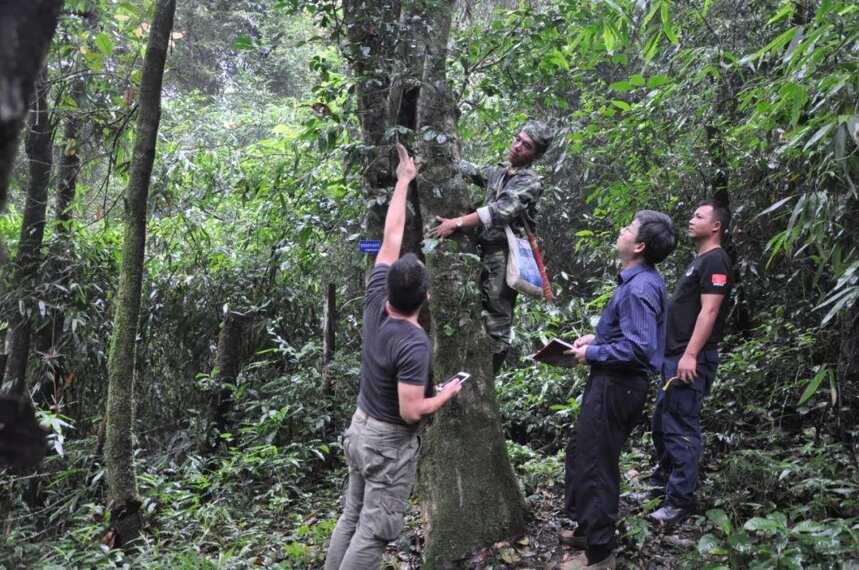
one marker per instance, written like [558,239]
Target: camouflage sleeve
[473,173]
[519,193]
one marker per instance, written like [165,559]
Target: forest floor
[539,548]
[761,506]
[643,544]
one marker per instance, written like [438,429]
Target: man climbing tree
[381,443]
[512,192]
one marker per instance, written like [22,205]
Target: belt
[363,417]
[492,248]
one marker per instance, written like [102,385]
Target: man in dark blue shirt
[627,347]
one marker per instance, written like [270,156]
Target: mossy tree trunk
[468,489]
[377,48]
[121,482]
[227,367]
[39,148]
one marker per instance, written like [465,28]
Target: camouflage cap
[540,133]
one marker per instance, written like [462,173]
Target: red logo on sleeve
[719,279]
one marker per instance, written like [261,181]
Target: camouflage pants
[498,300]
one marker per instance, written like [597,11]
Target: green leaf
[104,43]
[636,80]
[813,385]
[778,43]
[740,542]
[609,37]
[654,8]
[622,105]
[243,42]
[709,544]
[774,522]
[671,34]
[621,86]
[651,46]
[774,207]
[657,81]
[784,12]
[821,132]
[720,519]
[558,59]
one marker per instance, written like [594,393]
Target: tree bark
[329,324]
[386,98]
[121,482]
[26,29]
[719,187]
[50,337]
[39,148]
[228,364]
[847,412]
[469,492]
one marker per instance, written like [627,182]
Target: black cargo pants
[611,407]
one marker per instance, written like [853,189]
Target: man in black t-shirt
[696,318]
[381,443]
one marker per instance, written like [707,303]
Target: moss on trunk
[468,489]
[121,482]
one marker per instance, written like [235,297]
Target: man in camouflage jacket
[512,192]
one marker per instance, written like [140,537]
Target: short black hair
[720,213]
[408,282]
[657,233]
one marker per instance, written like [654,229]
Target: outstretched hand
[406,170]
[444,228]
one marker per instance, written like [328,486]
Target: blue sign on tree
[369,246]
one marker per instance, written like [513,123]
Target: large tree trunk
[39,149]
[386,98]
[227,365]
[469,492]
[26,29]
[121,482]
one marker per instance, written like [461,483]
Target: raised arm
[395,221]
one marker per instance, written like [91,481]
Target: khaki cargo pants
[382,460]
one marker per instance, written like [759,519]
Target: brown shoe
[568,537]
[609,563]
